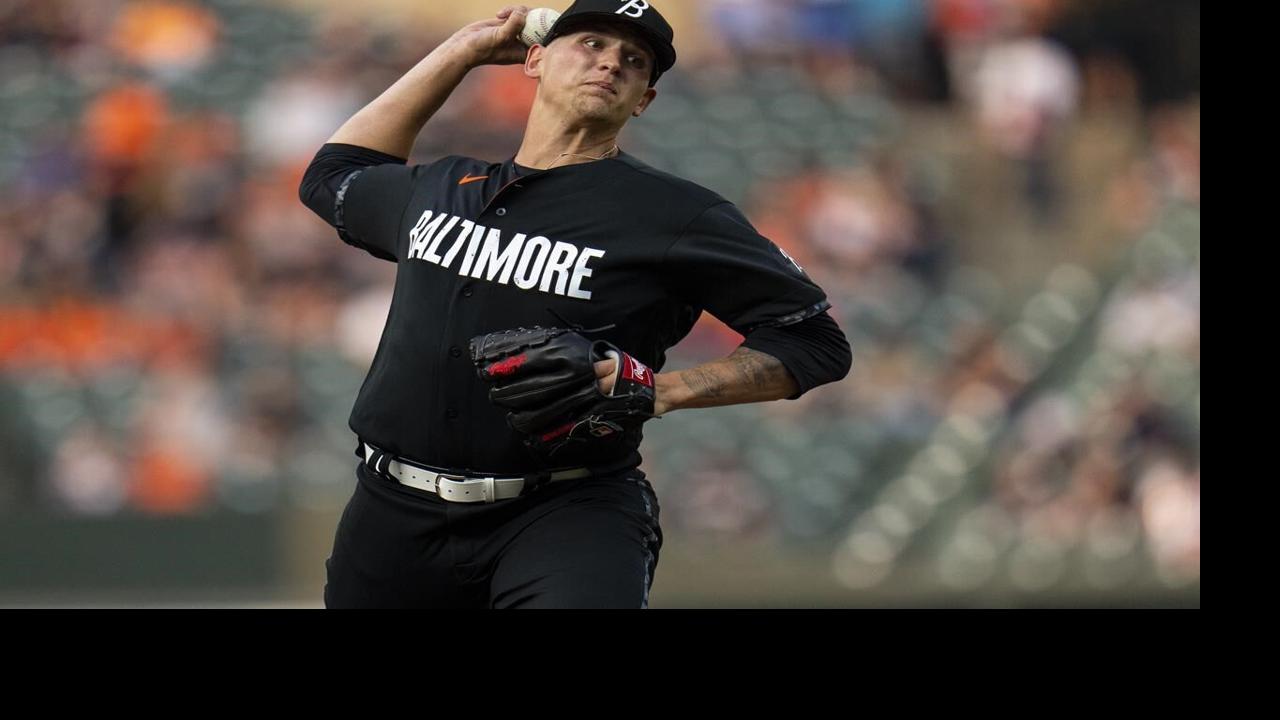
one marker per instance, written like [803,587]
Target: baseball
[537,24]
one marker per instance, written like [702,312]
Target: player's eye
[637,61]
[592,42]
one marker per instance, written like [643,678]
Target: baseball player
[535,299]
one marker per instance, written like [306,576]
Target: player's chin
[598,108]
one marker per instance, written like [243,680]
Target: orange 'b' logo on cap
[638,6]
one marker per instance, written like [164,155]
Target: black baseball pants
[587,543]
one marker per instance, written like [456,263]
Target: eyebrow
[628,45]
[646,54]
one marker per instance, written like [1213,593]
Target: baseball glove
[546,379]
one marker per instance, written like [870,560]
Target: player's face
[597,74]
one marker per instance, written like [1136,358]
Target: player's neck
[551,145]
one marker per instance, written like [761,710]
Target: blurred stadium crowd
[178,334]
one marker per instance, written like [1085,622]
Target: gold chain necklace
[607,153]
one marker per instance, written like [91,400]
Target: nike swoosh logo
[469,179]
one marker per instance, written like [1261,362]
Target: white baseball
[537,24]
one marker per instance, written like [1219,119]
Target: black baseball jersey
[483,247]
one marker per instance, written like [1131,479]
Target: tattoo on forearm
[746,375]
[703,383]
[758,370]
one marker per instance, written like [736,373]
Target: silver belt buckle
[446,483]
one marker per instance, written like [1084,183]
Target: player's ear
[649,95]
[533,61]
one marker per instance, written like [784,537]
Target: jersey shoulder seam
[669,179]
[421,173]
[714,198]
[680,235]
[416,181]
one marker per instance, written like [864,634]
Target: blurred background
[1001,197]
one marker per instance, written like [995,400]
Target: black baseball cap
[639,15]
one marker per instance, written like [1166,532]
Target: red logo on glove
[637,371]
[508,366]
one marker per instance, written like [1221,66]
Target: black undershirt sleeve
[366,219]
[815,351]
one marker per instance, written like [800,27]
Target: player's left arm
[772,364]
[745,376]
[720,263]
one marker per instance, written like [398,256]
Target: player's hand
[495,41]
[548,381]
[607,371]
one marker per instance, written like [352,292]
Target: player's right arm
[391,122]
[359,182]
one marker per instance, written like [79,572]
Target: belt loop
[376,460]
[534,481]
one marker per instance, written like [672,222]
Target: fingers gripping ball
[537,24]
[545,378]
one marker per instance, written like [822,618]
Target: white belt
[457,488]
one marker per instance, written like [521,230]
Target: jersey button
[455,351]
[451,413]
[500,212]
[466,292]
